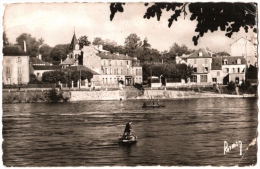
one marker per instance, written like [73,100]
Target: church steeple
[74,42]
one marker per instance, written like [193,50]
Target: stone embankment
[127,94]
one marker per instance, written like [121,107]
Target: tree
[55,77]
[132,42]
[83,41]
[177,50]
[32,45]
[98,41]
[45,51]
[86,75]
[60,52]
[229,17]
[252,72]
[5,39]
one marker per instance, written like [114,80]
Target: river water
[188,132]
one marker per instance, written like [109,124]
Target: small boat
[153,106]
[127,140]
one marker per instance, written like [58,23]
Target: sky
[56,22]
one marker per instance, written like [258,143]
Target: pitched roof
[216,63]
[81,67]
[13,50]
[114,56]
[68,61]
[46,67]
[240,39]
[232,60]
[205,54]
[73,43]
[35,60]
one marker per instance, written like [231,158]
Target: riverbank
[129,94]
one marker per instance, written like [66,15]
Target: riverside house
[15,65]
[201,61]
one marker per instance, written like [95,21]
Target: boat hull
[127,140]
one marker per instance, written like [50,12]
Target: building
[117,68]
[247,49]
[216,70]
[201,61]
[15,66]
[233,69]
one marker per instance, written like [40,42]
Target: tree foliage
[32,45]
[45,51]
[132,42]
[98,41]
[60,52]
[5,39]
[179,50]
[229,17]
[83,41]
[55,77]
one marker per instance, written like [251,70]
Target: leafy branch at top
[229,17]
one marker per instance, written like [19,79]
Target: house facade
[247,49]
[233,69]
[15,66]
[119,69]
[201,61]
[216,70]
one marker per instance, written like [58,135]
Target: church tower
[74,49]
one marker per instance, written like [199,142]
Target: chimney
[24,46]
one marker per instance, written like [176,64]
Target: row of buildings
[112,70]
[109,70]
[209,69]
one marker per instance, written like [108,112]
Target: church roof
[73,43]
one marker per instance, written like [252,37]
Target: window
[226,70]
[206,61]
[218,73]
[8,70]
[117,71]
[136,71]
[203,78]
[19,80]
[194,69]
[121,63]
[225,62]
[214,79]
[238,70]
[19,60]
[109,62]
[19,70]
[140,72]
[126,62]
[238,61]
[116,63]
[206,69]
[111,72]
[195,61]
[193,78]
[105,71]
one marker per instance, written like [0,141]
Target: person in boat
[128,129]
[144,105]
[153,102]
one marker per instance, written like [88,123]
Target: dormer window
[200,54]
[225,62]
[238,61]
